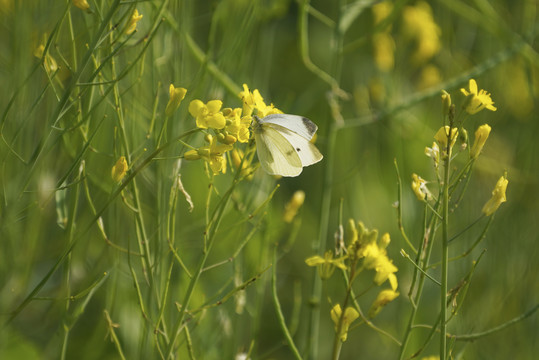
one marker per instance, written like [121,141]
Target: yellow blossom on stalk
[133,20]
[477,100]
[481,136]
[119,169]
[419,186]
[350,314]
[375,258]
[236,125]
[327,264]
[81,4]
[292,207]
[442,135]
[176,97]
[208,115]
[433,357]
[213,154]
[385,270]
[419,25]
[498,197]
[254,101]
[383,298]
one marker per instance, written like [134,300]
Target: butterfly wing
[307,152]
[298,124]
[275,153]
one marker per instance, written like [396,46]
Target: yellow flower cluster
[364,251]
[419,25]
[443,135]
[477,100]
[373,252]
[229,125]
[383,42]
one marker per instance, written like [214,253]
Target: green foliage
[166,259]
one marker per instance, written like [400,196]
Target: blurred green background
[390,60]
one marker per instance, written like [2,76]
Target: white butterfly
[283,143]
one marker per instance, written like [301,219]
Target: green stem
[445,247]
[278,310]
[209,237]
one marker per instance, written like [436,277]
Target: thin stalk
[278,310]
[423,260]
[445,245]
[209,237]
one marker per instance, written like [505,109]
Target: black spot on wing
[309,125]
[298,149]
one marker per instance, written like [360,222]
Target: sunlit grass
[124,234]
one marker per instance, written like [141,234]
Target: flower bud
[292,207]
[176,97]
[446,102]
[119,169]
[481,136]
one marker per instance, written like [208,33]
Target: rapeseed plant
[442,206]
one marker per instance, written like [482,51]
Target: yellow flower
[119,169]
[81,4]
[477,101]
[237,125]
[254,101]
[132,24]
[498,197]
[432,357]
[213,154]
[350,314]
[383,298]
[215,157]
[208,115]
[481,136]
[419,26]
[292,207]
[419,186]
[327,264]
[442,135]
[176,97]
[384,50]
[385,270]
